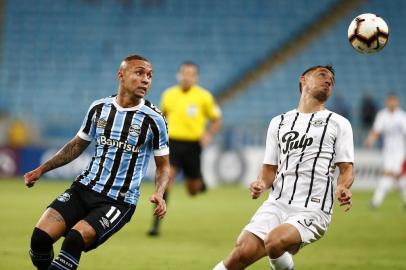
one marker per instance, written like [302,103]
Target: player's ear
[120,74]
[178,76]
[302,80]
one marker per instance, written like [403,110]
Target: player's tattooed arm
[69,152]
[161,174]
[161,183]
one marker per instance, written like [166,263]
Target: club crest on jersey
[292,141]
[135,130]
[318,122]
[64,197]
[101,123]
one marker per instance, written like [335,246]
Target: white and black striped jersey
[306,148]
[125,140]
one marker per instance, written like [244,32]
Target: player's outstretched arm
[373,136]
[344,183]
[69,152]
[264,181]
[161,183]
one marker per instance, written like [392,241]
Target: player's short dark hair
[189,63]
[135,57]
[328,67]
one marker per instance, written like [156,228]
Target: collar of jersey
[128,109]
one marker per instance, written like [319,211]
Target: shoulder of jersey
[285,114]
[338,117]
[151,109]
[108,99]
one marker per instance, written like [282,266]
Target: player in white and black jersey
[390,123]
[303,148]
[127,130]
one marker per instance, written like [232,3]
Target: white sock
[284,262]
[384,186]
[402,187]
[220,266]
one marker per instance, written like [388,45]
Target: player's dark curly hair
[328,67]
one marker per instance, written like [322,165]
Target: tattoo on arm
[161,174]
[69,152]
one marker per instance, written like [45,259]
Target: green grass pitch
[198,232]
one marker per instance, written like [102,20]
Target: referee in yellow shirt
[188,108]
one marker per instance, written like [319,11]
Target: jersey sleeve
[88,129]
[212,109]
[378,123]
[271,150]
[344,143]
[160,141]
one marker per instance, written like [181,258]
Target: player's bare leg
[154,231]
[248,249]
[81,236]
[280,243]
[194,186]
[50,227]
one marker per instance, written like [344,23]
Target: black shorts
[103,213]
[185,155]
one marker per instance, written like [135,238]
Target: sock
[384,186]
[72,247]
[41,251]
[156,221]
[402,187]
[284,262]
[220,266]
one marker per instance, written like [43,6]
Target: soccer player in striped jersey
[303,148]
[127,130]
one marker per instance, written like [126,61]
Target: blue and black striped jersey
[125,140]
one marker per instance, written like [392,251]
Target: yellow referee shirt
[187,112]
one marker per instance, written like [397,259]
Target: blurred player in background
[188,107]
[127,129]
[390,123]
[303,148]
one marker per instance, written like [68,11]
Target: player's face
[319,83]
[392,103]
[135,77]
[187,76]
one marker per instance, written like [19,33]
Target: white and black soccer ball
[368,33]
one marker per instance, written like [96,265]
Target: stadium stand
[56,53]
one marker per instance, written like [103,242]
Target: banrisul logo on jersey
[292,141]
[103,140]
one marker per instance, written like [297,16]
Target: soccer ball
[368,33]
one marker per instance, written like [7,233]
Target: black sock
[41,251]
[71,250]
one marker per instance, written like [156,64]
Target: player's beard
[321,96]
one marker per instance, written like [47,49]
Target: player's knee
[41,251]
[241,255]
[276,246]
[73,240]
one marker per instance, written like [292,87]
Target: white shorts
[393,162]
[311,223]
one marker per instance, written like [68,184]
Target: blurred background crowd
[56,57]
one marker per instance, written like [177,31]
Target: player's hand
[31,177]
[160,209]
[257,188]
[344,196]
[206,139]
